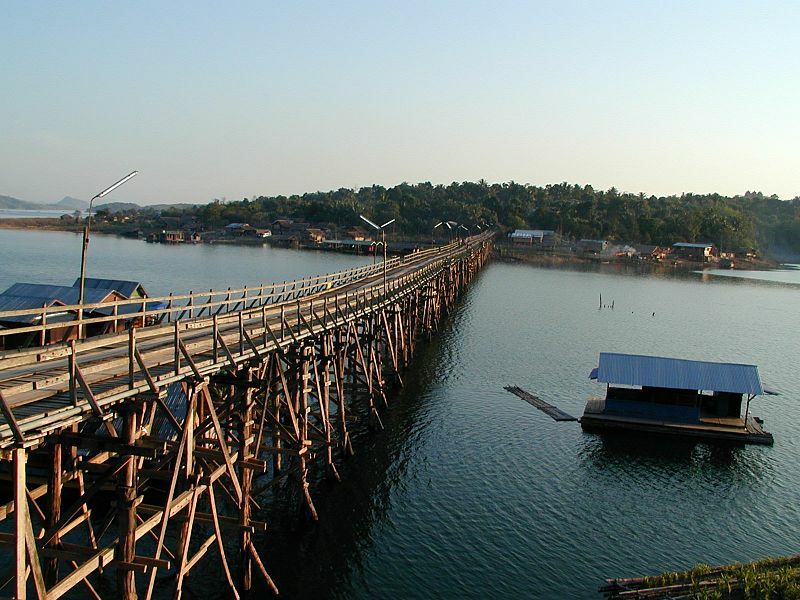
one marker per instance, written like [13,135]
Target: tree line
[751,220]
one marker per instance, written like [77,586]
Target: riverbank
[501,252]
[555,260]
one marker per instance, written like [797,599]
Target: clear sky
[235,99]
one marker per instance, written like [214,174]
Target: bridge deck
[50,388]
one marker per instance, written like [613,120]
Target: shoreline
[542,259]
[501,252]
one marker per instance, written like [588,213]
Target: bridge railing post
[177,342]
[73,387]
[215,333]
[241,333]
[131,356]
[43,335]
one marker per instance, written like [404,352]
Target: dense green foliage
[750,220]
[768,579]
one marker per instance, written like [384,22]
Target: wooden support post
[303,358]
[125,551]
[246,483]
[54,508]
[20,523]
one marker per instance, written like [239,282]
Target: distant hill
[72,203]
[115,207]
[17,204]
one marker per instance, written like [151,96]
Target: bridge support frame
[188,463]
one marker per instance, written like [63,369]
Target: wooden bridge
[133,451]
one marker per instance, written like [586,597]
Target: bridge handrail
[195,303]
[183,346]
[287,296]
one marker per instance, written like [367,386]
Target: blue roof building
[129,289]
[691,398]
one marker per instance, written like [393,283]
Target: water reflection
[631,455]
[321,559]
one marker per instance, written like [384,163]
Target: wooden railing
[147,359]
[174,307]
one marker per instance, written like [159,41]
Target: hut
[688,398]
[27,296]
[702,252]
[545,238]
[30,296]
[594,247]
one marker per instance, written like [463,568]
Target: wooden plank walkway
[552,411]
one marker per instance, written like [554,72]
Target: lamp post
[465,229]
[383,241]
[88,224]
[450,225]
[433,230]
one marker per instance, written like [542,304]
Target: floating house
[688,398]
[545,238]
[592,246]
[27,296]
[702,252]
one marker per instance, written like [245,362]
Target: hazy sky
[235,99]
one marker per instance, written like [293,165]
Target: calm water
[471,492]
[54,257]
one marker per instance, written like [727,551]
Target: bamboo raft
[552,411]
[189,421]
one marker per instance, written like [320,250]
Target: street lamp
[450,225]
[88,223]
[465,229]
[433,230]
[383,241]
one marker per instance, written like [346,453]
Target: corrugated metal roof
[177,402]
[677,373]
[532,233]
[22,303]
[24,296]
[690,245]
[126,288]
[62,293]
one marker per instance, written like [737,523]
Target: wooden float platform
[709,428]
[556,413]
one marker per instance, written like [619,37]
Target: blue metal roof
[126,288]
[690,245]
[66,295]
[21,303]
[24,296]
[677,373]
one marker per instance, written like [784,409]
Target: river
[471,492]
